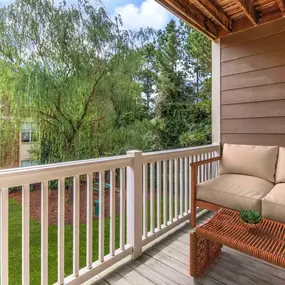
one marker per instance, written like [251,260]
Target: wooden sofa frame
[194,201]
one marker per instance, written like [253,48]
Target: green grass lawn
[15,245]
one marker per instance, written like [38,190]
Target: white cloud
[149,14]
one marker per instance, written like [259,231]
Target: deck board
[167,263]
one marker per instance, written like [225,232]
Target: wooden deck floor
[167,263]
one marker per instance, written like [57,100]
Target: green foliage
[183,105]
[94,89]
[8,125]
[250,217]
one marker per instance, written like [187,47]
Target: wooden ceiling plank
[281,5]
[248,10]
[191,14]
[215,12]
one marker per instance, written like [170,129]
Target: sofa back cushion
[258,161]
[280,170]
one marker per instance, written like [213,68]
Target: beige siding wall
[253,86]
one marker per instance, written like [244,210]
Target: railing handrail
[176,153]
[46,172]
[34,174]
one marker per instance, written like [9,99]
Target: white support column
[134,203]
[216,92]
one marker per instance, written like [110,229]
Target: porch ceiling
[219,18]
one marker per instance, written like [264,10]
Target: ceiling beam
[248,9]
[215,12]
[242,24]
[281,5]
[192,15]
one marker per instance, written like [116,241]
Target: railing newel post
[134,203]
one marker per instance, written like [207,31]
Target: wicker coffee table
[266,242]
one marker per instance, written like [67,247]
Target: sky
[136,14]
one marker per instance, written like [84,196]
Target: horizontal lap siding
[254,94]
[253,86]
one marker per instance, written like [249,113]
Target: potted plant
[250,219]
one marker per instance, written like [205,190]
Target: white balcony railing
[154,198]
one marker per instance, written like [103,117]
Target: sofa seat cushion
[273,204]
[259,161]
[238,192]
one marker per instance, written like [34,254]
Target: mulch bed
[35,204]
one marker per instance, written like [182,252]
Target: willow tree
[74,72]
[9,131]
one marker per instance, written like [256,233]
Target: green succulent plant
[250,217]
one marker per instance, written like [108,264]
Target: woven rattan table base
[266,242]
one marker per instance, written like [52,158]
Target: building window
[28,133]
[25,163]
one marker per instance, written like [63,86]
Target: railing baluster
[76,201]
[176,188]
[122,207]
[181,173]
[44,233]
[186,185]
[202,168]
[158,193]
[4,218]
[212,166]
[198,158]
[165,192]
[26,234]
[145,199]
[218,165]
[152,198]
[60,238]
[170,190]
[89,221]
[209,167]
[112,211]
[189,182]
[101,214]
[205,167]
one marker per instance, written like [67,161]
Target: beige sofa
[250,178]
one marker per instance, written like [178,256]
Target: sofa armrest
[202,162]
[194,166]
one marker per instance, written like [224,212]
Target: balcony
[153,192]
[125,219]
[147,241]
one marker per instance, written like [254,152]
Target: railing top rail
[28,175]
[177,153]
